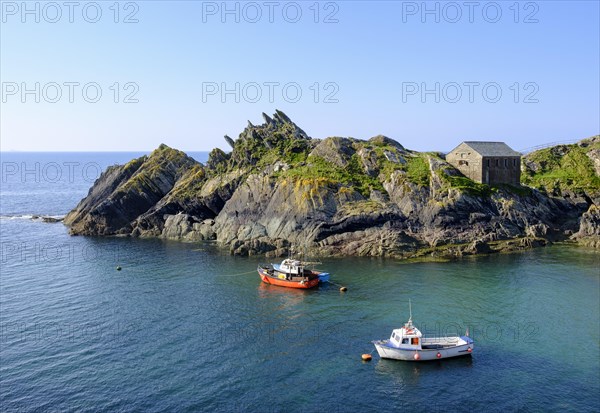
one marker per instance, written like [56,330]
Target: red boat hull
[266,278]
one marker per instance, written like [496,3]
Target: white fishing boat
[407,343]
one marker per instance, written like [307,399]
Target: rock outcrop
[342,196]
[567,171]
[122,193]
[589,227]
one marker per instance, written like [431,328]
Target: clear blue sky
[374,52]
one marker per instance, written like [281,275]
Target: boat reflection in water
[409,374]
[283,302]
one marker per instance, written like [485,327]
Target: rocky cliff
[342,196]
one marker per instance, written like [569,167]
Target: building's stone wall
[486,169]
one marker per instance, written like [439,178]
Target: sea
[186,327]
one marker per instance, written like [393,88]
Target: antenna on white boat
[410,311]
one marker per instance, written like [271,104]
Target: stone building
[487,162]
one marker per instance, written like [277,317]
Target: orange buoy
[439,355]
[416,356]
[469,349]
[367,357]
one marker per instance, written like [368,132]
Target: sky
[128,76]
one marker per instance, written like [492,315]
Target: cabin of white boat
[291,266]
[407,337]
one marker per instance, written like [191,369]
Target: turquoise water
[186,327]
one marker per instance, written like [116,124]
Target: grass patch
[416,166]
[465,184]
[291,151]
[352,176]
[570,170]
[417,170]
[191,183]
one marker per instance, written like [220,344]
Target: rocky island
[343,196]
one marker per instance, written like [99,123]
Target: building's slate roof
[491,148]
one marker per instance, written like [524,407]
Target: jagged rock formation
[340,196]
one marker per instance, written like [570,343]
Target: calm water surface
[186,327]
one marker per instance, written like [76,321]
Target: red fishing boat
[290,273]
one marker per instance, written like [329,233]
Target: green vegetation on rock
[417,170]
[342,196]
[564,168]
[161,159]
[190,184]
[290,151]
[318,168]
[463,183]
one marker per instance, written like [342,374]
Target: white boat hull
[387,351]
